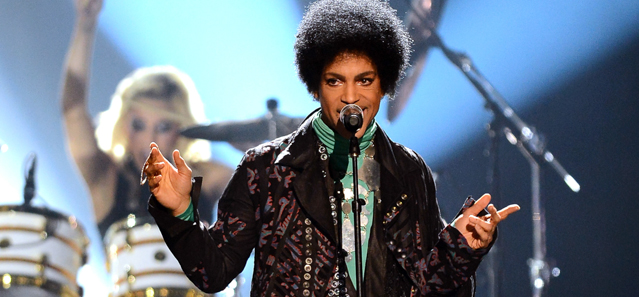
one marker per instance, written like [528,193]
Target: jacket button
[307,276]
[404,196]
[306,292]
[307,221]
[307,268]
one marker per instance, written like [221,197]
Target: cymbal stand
[532,145]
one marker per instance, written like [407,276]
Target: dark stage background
[591,123]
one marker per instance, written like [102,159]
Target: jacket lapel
[394,167]
[303,157]
[399,174]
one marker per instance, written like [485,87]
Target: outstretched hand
[171,186]
[479,231]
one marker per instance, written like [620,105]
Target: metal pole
[539,268]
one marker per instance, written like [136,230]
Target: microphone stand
[495,257]
[532,146]
[357,210]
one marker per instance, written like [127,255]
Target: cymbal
[421,19]
[268,127]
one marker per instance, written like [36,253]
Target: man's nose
[350,95]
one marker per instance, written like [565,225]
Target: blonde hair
[165,83]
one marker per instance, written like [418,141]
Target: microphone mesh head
[351,117]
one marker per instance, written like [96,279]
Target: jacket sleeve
[211,257]
[448,269]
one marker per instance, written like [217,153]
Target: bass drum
[140,263]
[41,252]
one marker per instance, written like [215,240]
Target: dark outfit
[278,203]
[132,198]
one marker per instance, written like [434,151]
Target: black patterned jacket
[278,203]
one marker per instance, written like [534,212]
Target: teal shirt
[188,214]
[337,148]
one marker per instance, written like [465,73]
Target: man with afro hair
[290,199]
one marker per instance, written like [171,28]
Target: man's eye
[332,81]
[138,125]
[366,81]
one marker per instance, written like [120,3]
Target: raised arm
[96,167]
[78,60]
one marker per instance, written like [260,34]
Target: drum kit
[41,250]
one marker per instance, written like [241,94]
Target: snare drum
[140,263]
[41,252]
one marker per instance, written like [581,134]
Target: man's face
[350,79]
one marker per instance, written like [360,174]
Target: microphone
[351,118]
[29,186]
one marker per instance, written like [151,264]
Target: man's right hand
[171,186]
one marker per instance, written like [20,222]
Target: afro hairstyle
[370,27]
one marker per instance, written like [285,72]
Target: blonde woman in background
[150,105]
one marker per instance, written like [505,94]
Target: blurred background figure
[150,104]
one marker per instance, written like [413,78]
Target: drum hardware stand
[29,185]
[532,145]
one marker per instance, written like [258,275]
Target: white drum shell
[28,244]
[133,264]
